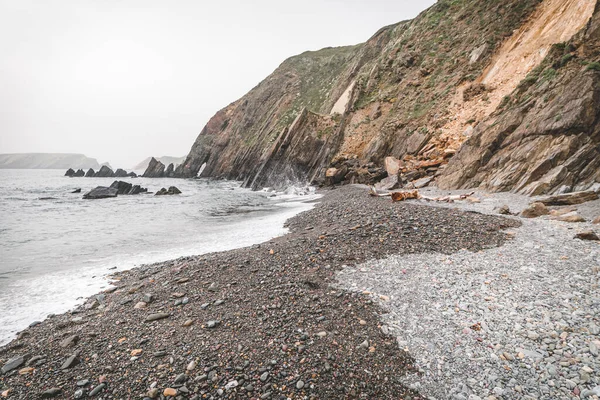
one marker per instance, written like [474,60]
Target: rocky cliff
[508,86]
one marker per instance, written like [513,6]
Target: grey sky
[123,80]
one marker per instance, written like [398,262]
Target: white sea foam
[58,253]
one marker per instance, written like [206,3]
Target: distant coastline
[47,161]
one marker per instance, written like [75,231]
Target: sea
[56,249]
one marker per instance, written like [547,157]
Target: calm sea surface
[56,248]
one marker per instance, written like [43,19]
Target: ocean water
[56,248]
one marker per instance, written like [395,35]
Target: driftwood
[414,194]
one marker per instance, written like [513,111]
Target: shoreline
[60,254]
[257,322]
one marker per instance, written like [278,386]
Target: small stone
[212,324]
[70,362]
[152,393]
[231,385]
[322,334]
[504,210]
[170,392]
[25,371]
[136,352]
[79,394]
[97,389]
[148,298]
[191,366]
[299,384]
[139,305]
[264,377]
[158,316]
[13,363]
[69,341]
[265,395]
[50,393]
[362,322]
[188,322]
[363,345]
[180,378]
[83,382]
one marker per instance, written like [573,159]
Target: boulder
[90,173]
[120,173]
[421,183]
[79,173]
[571,217]
[101,192]
[121,187]
[105,172]
[70,172]
[78,190]
[335,175]
[155,169]
[568,199]
[587,235]
[132,175]
[535,210]
[389,183]
[392,165]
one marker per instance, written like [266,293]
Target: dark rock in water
[70,362]
[13,363]
[135,189]
[132,174]
[90,173]
[105,172]
[172,190]
[70,172]
[79,173]
[169,172]
[101,192]
[120,173]
[78,190]
[121,187]
[47,198]
[155,169]
[50,393]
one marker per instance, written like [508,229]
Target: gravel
[516,322]
[280,330]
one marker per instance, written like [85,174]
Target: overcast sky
[120,80]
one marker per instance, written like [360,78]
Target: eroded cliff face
[544,136]
[502,84]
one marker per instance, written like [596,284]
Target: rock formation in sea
[156,169]
[501,96]
[115,189]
